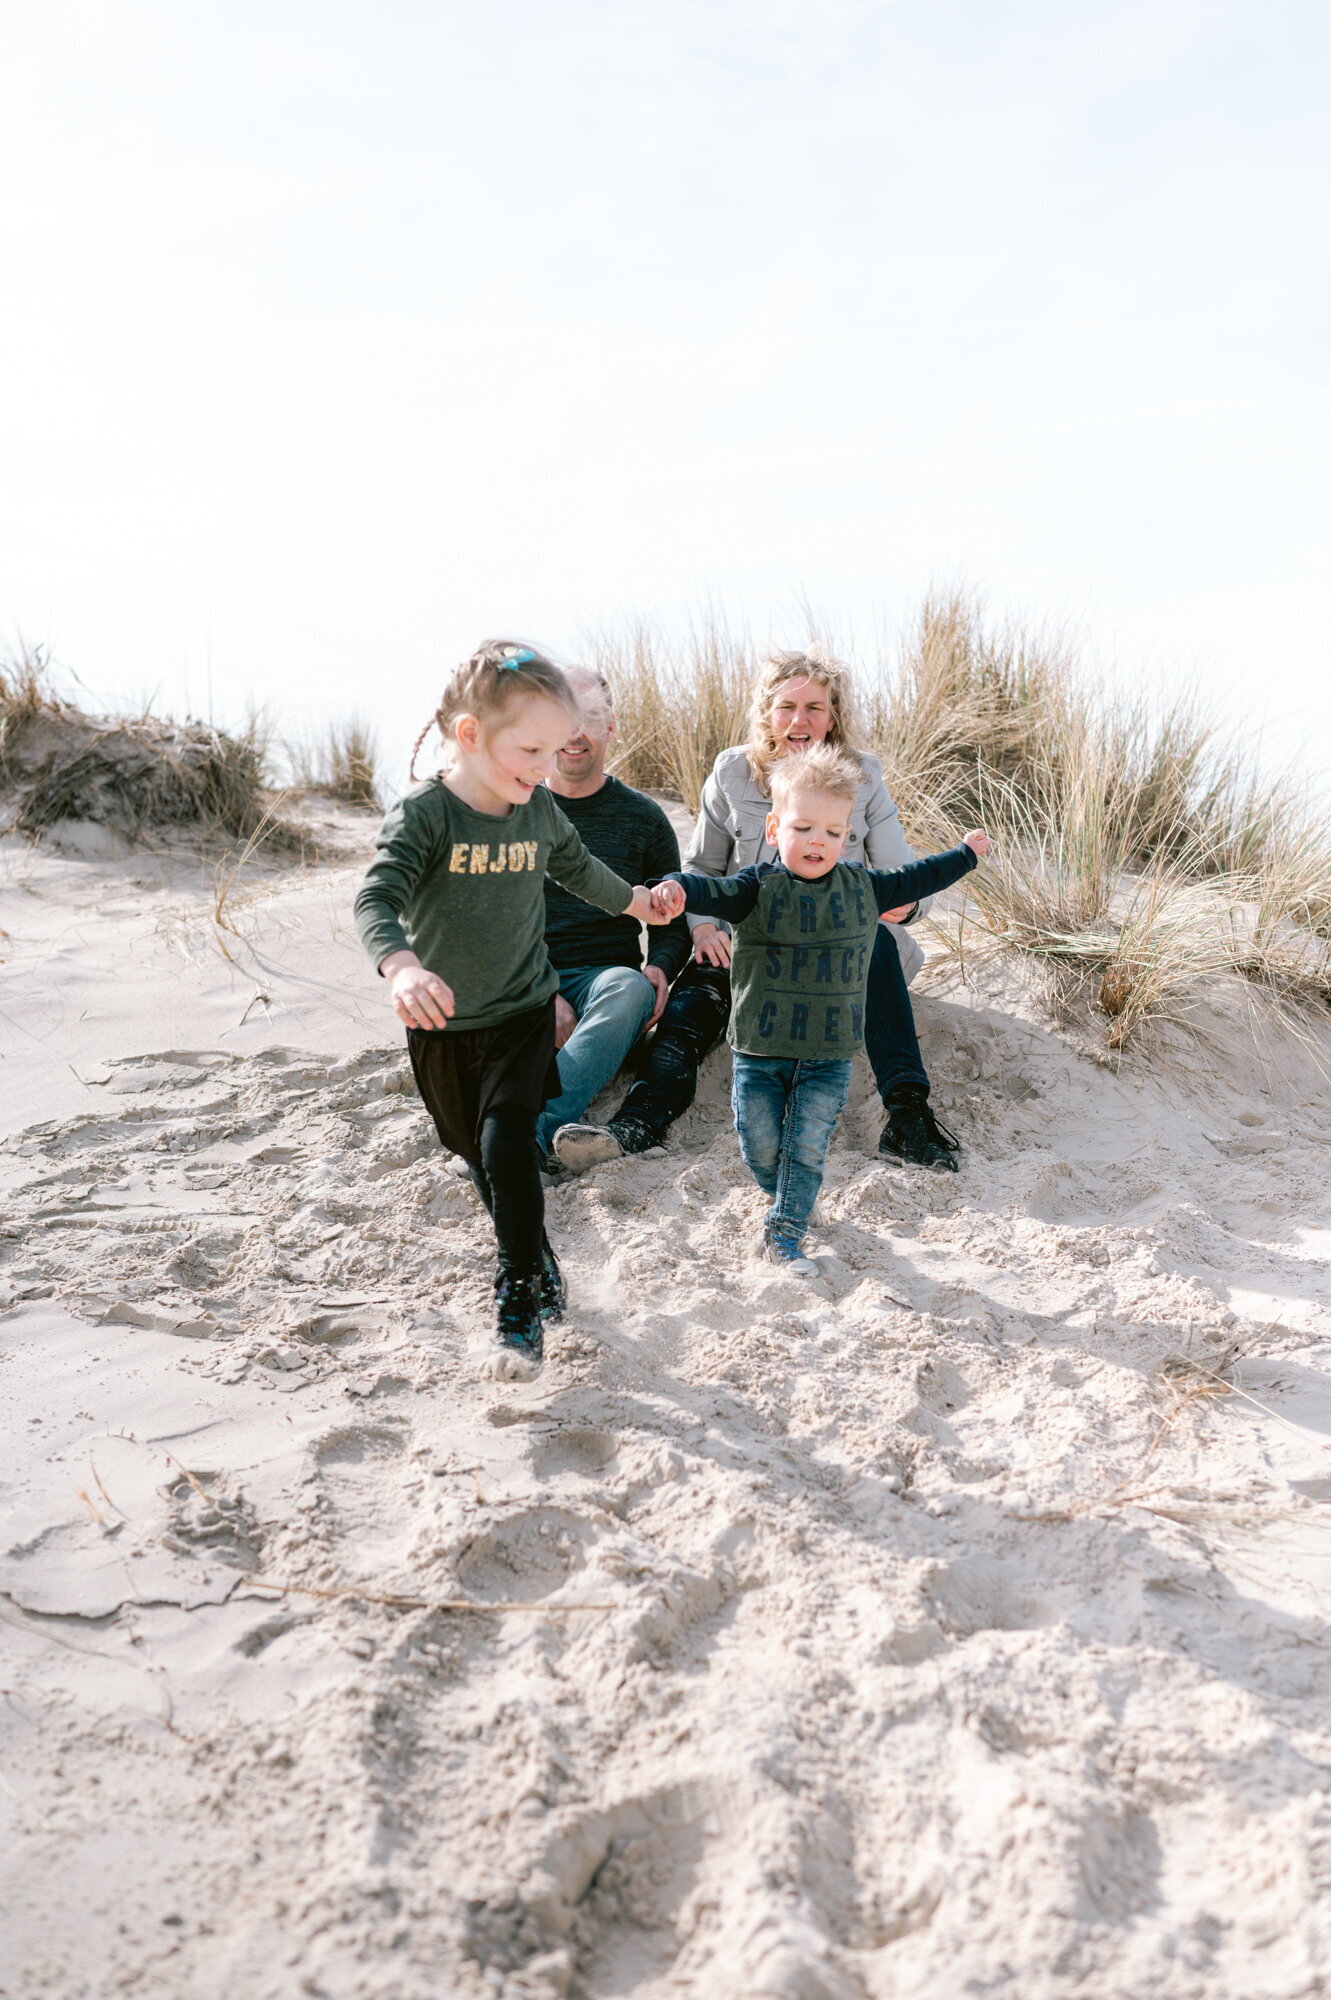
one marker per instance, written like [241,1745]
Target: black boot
[518,1347]
[913,1134]
[554,1292]
[633,1135]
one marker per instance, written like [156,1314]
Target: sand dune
[955,1624]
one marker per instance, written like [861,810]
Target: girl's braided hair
[497,672]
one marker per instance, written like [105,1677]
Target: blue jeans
[695,1020]
[785,1112]
[612,1003]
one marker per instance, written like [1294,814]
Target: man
[607,998]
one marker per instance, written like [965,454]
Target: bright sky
[337,337]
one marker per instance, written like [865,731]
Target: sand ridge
[925,1629]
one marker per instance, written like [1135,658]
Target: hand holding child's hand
[420,997]
[645,908]
[978,839]
[668,900]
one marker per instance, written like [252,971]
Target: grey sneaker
[578,1147]
[789,1256]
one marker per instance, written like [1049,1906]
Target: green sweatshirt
[800,972]
[465,891]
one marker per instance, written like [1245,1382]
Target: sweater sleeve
[577,869]
[668,944]
[728,896]
[922,878]
[713,844]
[403,849]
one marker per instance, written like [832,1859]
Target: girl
[457,887]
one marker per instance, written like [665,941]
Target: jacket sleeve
[403,850]
[577,869]
[668,944]
[922,878]
[726,896]
[885,842]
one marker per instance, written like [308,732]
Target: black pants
[508,1181]
[484,1089]
[695,1019]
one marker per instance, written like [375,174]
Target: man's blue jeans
[612,1003]
[785,1112]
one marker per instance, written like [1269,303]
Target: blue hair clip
[516,660]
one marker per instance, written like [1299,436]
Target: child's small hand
[668,899]
[978,839]
[419,996]
[648,908]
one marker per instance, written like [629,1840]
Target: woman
[802,698]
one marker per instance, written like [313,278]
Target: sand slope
[910,1633]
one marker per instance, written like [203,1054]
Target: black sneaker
[914,1135]
[554,1292]
[518,1349]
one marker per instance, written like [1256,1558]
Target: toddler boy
[803,929]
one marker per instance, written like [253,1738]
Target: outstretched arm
[925,878]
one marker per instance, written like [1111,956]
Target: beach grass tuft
[341,764]
[139,775]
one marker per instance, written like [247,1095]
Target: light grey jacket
[732,829]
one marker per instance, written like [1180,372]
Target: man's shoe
[578,1147]
[633,1135]
[554,1292]
[518,1350]
[914,1135]
[783,1251]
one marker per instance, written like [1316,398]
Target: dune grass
[138,774]
[342,764]
[1141,850]
[676,704]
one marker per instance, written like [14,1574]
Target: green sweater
[800,970]
[464,890]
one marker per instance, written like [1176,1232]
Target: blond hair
[820,768]
[815,663]
[496,674]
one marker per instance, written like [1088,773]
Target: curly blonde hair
[484,685]
[814,663]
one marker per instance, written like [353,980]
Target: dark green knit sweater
[800,968]
[464,890]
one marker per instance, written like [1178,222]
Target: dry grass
[228,871]
[1141,853]
[139,775]
[341,765]
[675,706]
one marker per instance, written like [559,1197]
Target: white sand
[931,1644]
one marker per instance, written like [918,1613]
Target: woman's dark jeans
[695,1020]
